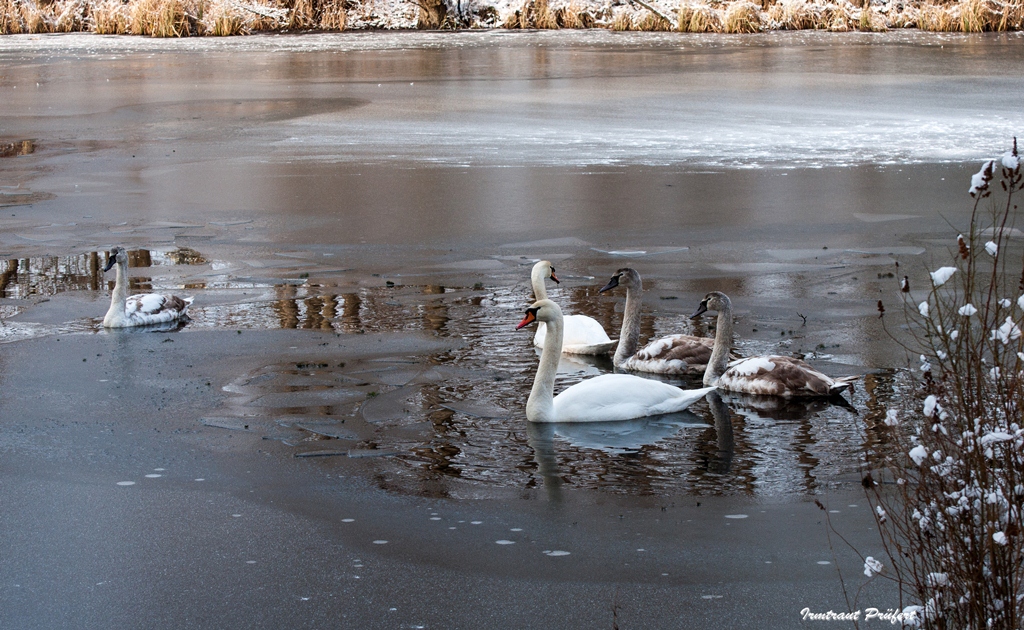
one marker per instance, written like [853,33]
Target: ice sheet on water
[634,253]
[889,251]
[879,218]
[568,241]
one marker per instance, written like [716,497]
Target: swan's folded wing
[583,331]
[675,354]
[590,349]
[146,304]
[155,308]
[679,347]
[775,376]
[612,397]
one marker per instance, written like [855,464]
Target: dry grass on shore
[168,18]
[181,18]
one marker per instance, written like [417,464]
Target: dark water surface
[406,182]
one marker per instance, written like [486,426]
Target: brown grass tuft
[796,15]
[871,20]
[742,17]
[302,14]
[838,18]
[623,22]
[904,18]
[10,18]
[222,19]
[159,18]
[652,22]
[333,15]
[1011,17]
[704,19]
[574,16]
[69,16]
[29,16]
[683,16]
[976,16]
[109,17]
[534,14]
[931,17]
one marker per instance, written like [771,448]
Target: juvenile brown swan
[138,310]
[674,354]
[769,375]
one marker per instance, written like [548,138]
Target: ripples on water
[455,419]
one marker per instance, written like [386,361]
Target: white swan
[674,354]
[582,334]
[138,310]
[600,399]
[769,375]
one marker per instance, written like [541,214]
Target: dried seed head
[965,251]
[981,179]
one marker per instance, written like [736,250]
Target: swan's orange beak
[555,278]
[531,316]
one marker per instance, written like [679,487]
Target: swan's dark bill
[614,282]
[111,261]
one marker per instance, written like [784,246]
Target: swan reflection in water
[541,438]
[626,436]
[162,327]
[778,408]
[722,462]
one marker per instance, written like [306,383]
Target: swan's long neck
[540,292]
[540,407]
[723,342]
[629,336]
[120,293]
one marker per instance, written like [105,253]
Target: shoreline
[186,18]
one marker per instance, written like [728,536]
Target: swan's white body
[674,354]
[603,398]
[582,334]
[139,310]
[769,375]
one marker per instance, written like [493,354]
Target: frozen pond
[339,431]
[524,99]
[397,183]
